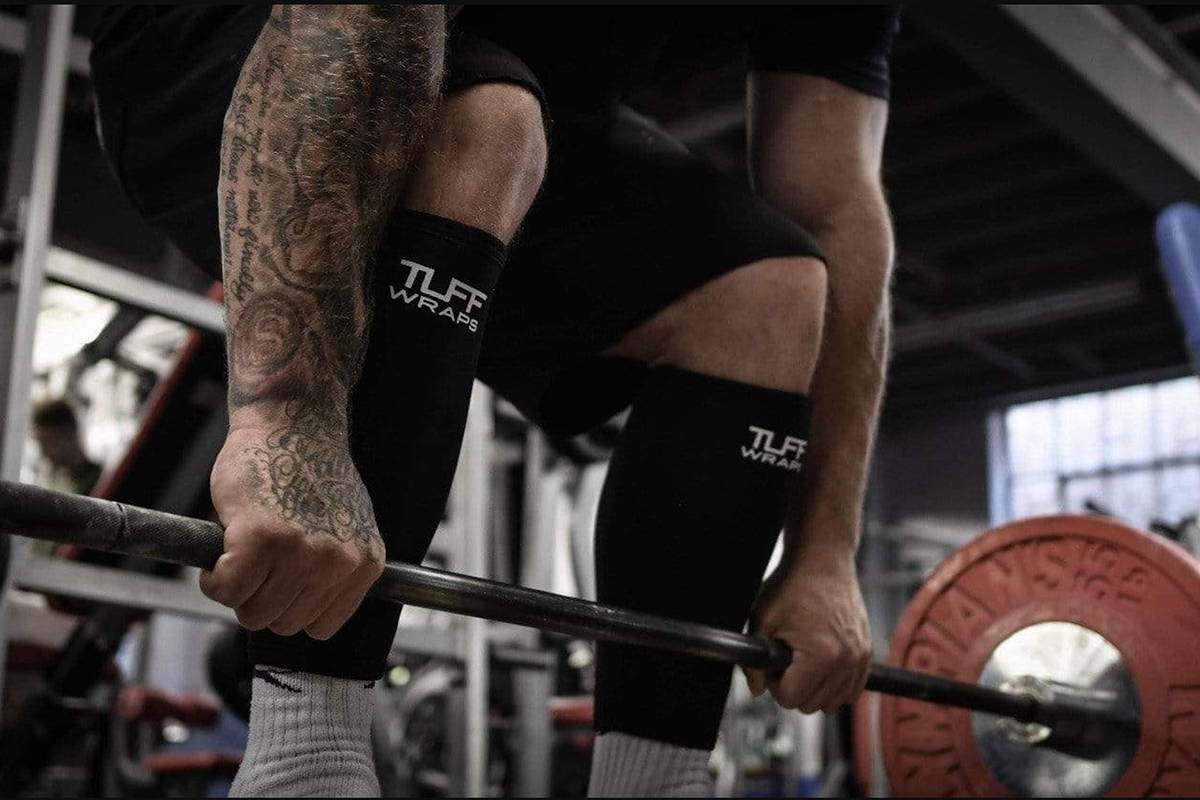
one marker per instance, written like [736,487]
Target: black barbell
[1076,721]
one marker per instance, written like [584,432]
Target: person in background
[56,430]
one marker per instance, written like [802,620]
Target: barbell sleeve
[119,528]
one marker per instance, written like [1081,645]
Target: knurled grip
[106,525]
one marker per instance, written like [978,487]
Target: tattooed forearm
[310,480]
[328,111]
[330,106]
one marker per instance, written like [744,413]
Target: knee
[775,306]
[786,296]
[759,324]
[496,131]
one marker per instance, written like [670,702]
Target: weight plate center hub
[1034,661]
[1071,603]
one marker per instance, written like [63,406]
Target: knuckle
[323,555]
[352,557]
[218,594]
[216,588]
[270,540]
[356,562]
[209,587]
[345,565]
[373,568]
[826,658]
[238,533]
[787,696]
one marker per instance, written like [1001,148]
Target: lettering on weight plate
[453,299]
[1177,774]
[769,447]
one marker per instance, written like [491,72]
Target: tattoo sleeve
[329,109]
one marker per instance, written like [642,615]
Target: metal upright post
[533,686]
[542,487]
[27,216]
[877,559]
[29,210]
[475,479]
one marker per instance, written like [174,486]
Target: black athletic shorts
[628,219]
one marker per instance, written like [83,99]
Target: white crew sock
[310,736]
[630,766]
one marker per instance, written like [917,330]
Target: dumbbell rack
[50,53]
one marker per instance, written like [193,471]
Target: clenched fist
[816,607]
[301,545]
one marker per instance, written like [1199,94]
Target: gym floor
[1031,524]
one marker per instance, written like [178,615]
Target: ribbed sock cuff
[310,736]
[630,766]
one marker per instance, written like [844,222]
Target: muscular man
[722,313]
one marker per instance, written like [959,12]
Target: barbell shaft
[115,527]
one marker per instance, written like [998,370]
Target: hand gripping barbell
[1074,721]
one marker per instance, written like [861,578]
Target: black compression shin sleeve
[691,510]
[433,283]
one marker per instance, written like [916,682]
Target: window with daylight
[1133,451]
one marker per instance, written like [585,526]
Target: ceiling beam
[987,183]
[971,341]
[1092,247]
[1022,314]
[979,228]
[1162,41]
[1091,79]
[915,159]
[1129,60]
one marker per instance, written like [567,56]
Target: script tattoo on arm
[330,108]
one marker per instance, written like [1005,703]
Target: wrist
[827,541]
[833,559]
[266,417]
[830,492]
[256,416]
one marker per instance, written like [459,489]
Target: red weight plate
[1137,590]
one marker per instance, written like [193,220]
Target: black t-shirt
[609,51]
[582,54]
